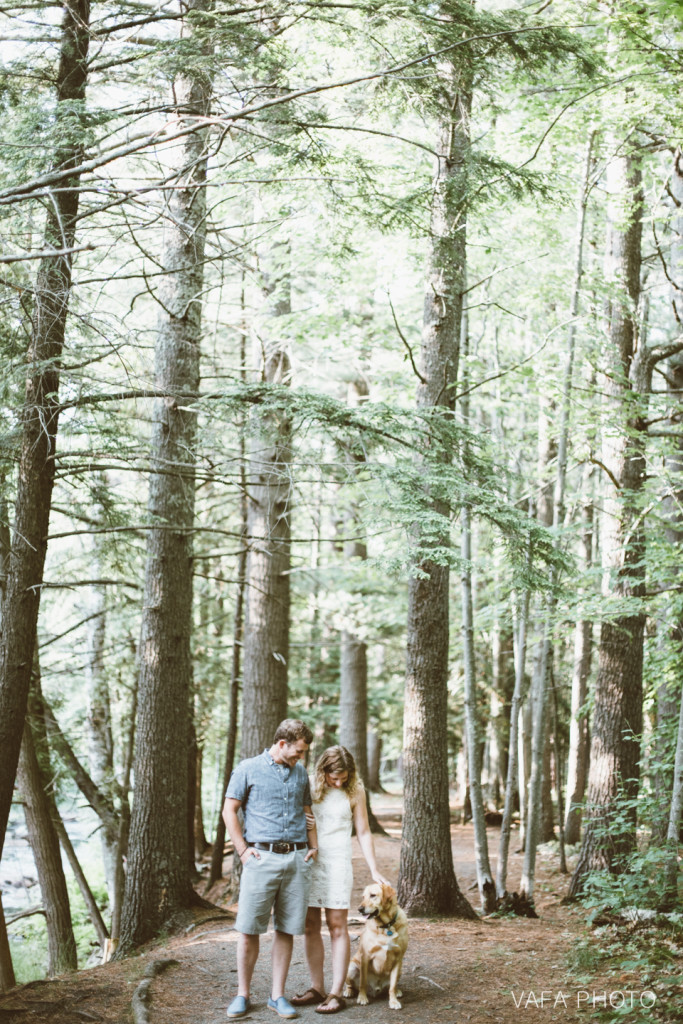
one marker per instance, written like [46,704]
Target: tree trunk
[216,869]
[609,835]
[157,883]
[124,831]
[374,746]
[577,771]
[266,627]
[38,724]
[40,414]
[353,675]
[353,689]
[667,702]
[86,892]
[672,871]
[554,517]
[512,783]
[547,456]
[98,719]
[539,811]
[487,890]
[427,884]
[200,844]
[61,944]
[7,979]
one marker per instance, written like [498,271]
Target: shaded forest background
[341,379]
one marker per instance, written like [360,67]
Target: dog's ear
[388,893]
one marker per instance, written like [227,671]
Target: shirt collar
[271,760]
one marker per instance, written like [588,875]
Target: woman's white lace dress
[332,875]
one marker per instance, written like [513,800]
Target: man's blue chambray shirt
[273,797]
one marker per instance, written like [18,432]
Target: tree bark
[427,884]
[513,773]
[374,745]
[98,719]
[7,979]
[487,890]
[40,413]
[158,884]
[672,870]
[554,516]
[216,869]
[353,674]
[353,680]
[269,494]
[609,835]
[667,702]
[200,841]
[577,771]
[61,944]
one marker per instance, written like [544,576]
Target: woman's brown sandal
[311,997]
[332,1004]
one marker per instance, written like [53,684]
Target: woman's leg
[341,947]
[315,951]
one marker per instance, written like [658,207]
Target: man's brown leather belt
[280,847]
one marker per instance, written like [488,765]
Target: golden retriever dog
[381,947]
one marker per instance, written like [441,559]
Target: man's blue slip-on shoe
[238,1007]
[282,1007]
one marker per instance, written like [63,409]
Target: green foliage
[640,885]
[28,936]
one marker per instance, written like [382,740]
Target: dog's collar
[388,925]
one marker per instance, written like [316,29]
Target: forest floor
[490,971]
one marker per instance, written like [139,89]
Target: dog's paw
[394,1003]
[362,999]
[398,993]
[348,991]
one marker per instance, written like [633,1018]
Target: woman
[338,803]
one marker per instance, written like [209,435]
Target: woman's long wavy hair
[333,760]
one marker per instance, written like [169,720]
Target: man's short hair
[291,730]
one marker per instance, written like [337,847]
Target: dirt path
[483,971]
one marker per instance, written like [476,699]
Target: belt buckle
[282,847]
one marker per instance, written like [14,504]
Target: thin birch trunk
[487,890]
[672,871]
[124,830]
[513,750]
[7,978]
[98,718]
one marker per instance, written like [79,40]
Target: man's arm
[311,833]
[232,823]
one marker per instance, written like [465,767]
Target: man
[272,791]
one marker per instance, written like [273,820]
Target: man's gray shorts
[277,881]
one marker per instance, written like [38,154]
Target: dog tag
[389,931]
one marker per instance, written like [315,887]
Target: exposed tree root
[513,903]
[142,995]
